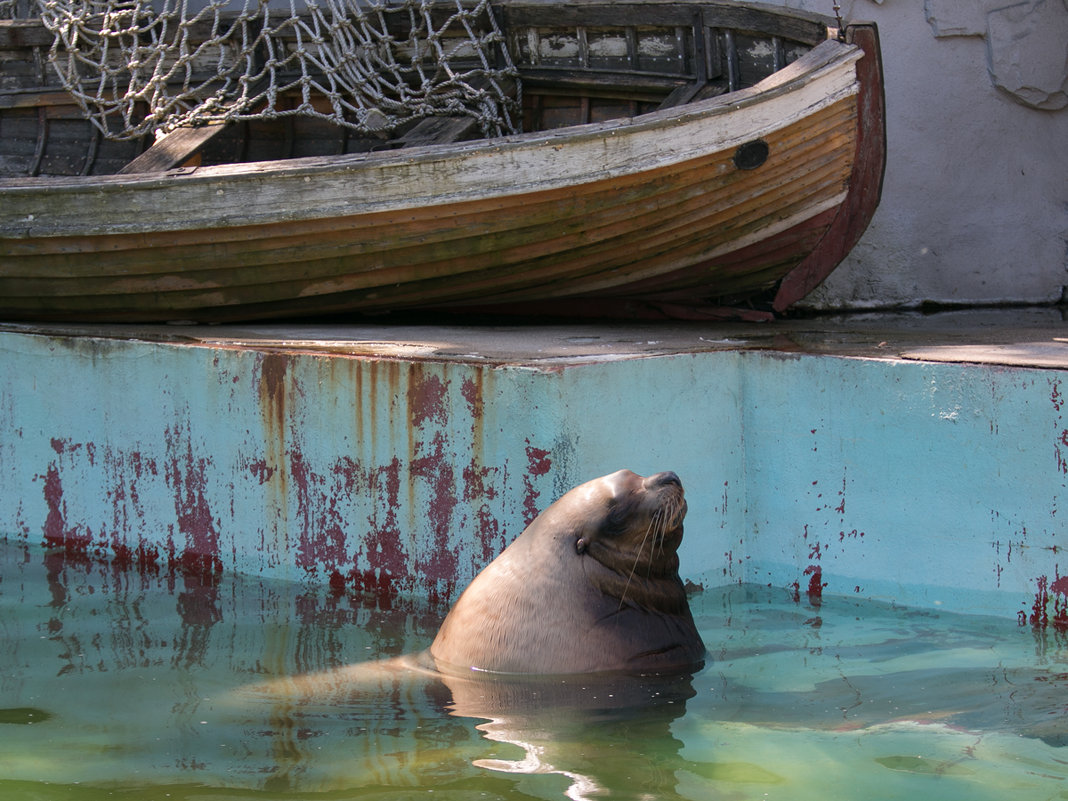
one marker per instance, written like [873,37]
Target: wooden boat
[728,155]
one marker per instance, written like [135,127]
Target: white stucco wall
[975,200]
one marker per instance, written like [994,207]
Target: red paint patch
[337,582]
[441,568]
[1059,586]
[538,460]
[471,389]
[186,475]
[379,584]
[57,532]
[383,549]
[261,471]
[427,400]
[55,527]
[1050,607]
[538,464]
[1061,442]
[321,530]
[840,508]
[816,584]
[478,487]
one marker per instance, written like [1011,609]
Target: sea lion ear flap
[580,545]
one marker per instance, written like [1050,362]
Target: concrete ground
[1021,337]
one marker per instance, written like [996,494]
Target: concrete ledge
[829,456]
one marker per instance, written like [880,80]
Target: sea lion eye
[580,545]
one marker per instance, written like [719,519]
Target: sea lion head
[640,527]
[591,585]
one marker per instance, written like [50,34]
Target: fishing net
[138,67]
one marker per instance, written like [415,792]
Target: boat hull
[658,213]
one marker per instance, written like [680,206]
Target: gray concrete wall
[975,202]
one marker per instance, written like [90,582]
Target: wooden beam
[19,33]
[174,149]
[437,131]
[681,95]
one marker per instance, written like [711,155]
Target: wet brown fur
[591,585]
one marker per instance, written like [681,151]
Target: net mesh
[139,67]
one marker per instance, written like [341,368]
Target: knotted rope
[144,66]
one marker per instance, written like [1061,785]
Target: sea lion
[591,585]
[580,625]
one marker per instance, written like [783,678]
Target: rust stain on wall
[187,477]
[270,377]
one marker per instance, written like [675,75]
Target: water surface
[120,684]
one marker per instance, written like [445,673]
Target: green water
[118,685]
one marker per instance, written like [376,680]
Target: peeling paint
[392,477]
[187,476]
[538,464]
[816,584]
[1050,607]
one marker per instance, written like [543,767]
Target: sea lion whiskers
[658,526]
[637,558]
[669,518]
[661,517]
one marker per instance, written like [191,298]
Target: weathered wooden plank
[439,130]
[524,274]
[733,72]
[36,99]
[382,183]
[788,26]
[602,15]
[810,28]
[21,33]
[594,265]
[601,84]
[42,138]
[173,149]
[682,94]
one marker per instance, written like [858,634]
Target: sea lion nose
[661,479]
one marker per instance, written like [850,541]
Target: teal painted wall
[937,485]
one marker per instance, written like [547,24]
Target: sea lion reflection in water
[582,619]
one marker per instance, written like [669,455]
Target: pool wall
[924,483]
